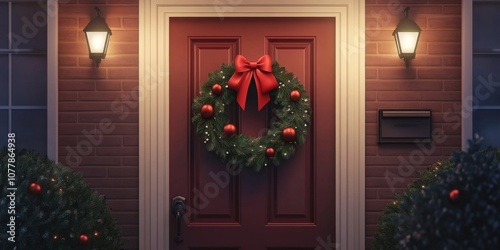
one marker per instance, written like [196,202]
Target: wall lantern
[406,35]
[97,34]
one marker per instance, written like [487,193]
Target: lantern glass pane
[407,41]
[97,41]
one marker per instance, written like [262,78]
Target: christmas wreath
[291,109]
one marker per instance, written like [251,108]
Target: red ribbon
[262,72]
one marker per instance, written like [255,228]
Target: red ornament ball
[454,195]
[83,240]
[230,129]
[34,189]
[288,135]
[207,111]
[216,89]
[295,95]
[270,152]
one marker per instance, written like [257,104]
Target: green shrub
[57,216]
[424,216]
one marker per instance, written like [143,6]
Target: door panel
[284,207]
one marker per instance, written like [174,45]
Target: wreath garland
[288,129]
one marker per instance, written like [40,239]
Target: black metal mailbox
[404,126]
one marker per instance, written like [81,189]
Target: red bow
[262,71]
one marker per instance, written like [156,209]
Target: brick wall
[98,113]
[98,108]
[432,81]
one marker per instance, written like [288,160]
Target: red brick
[68,61]
[452,85]
[411,85]
[67,140]
[132,129]
[67,23]
[128,230]
[73,48]
[108,140]
[122,60]
[452,61]
[371,151]
[130,85]
[67,35]
[433,81]
[123,172]
[100,96]
[108,85]
[379,60]
[400,4]
[371,96]
[370,48]
[122,1]
[445,49]
[440,73]
[117,151]
[131,140]
[85,106]
[68,96]
[119,193]
[130,10]
[113,182]
[377,205]
[419,96]
[440,36]
[123,205]
[114,24]
[371,193]
[445,23]
[101,161]
[127,218]
[397,73]
[82,73]
[131,36]
[124,73]
[92,1]
[425,60]
[81,85]
[130,23]
[109,116]
[452,10]
[375,171]
[74,129]
[123,49]
[131,161]
[68,118]
[91,172]
[371,116]
[370,230]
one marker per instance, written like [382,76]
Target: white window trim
[154,17]
[466,71]
[52,79]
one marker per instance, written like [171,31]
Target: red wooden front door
[291,206]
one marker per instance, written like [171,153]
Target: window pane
[30,127]
[4,80]
[29,80]
[485,123]
[486,19]
[4,127]
[4,26]
[29,26]
[486,81]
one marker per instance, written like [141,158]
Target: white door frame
[154,17]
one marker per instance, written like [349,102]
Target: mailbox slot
[404,126]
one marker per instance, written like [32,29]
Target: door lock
[178,210]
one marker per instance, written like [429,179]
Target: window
[24,73]
[485,73]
